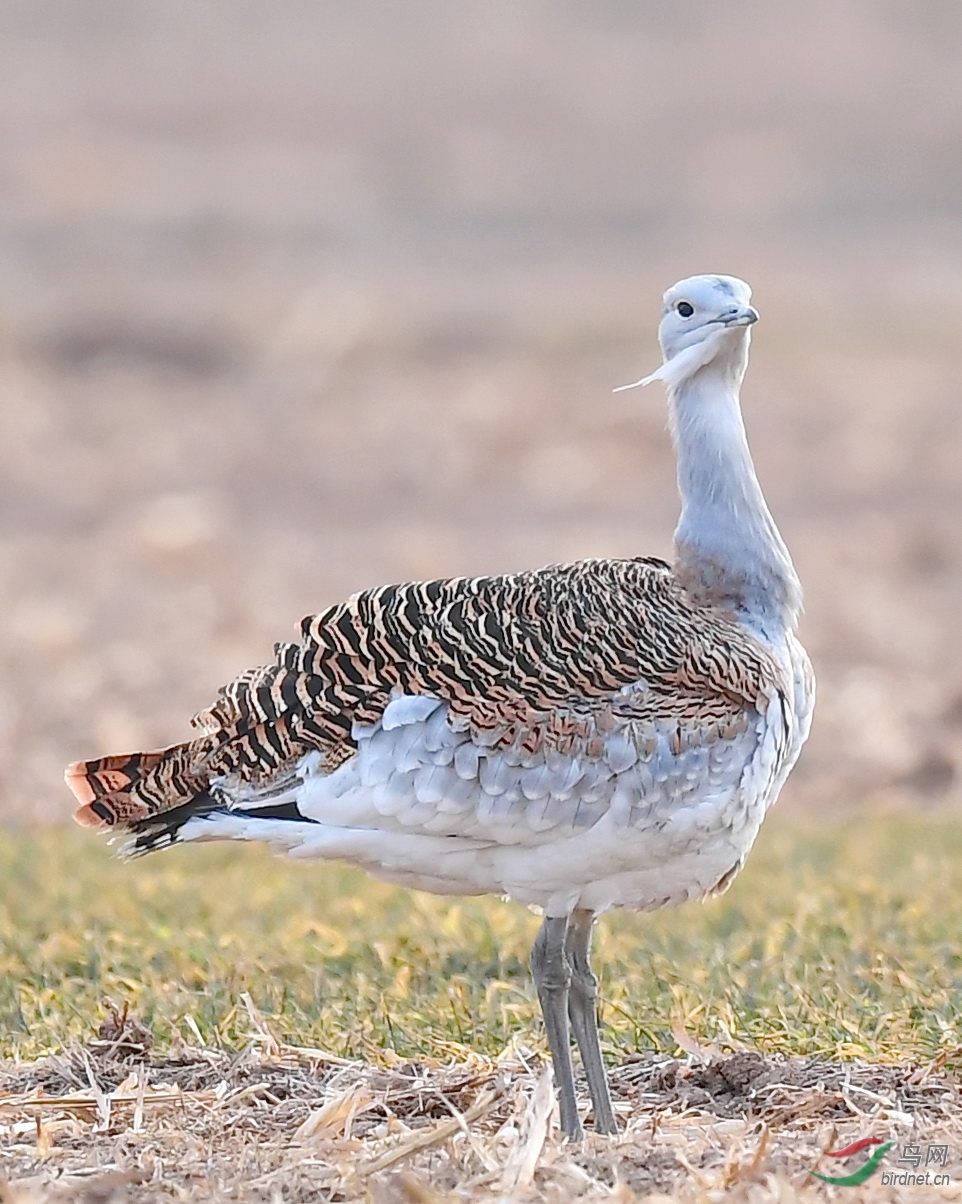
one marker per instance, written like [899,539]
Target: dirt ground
[108,1123]
[297,300]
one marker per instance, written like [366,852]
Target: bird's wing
[553,663]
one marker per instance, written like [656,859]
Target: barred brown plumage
[540,653]
[588,735]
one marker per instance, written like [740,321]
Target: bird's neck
[728,550]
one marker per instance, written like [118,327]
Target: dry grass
[837,941]
[277,1122]
[303,1033]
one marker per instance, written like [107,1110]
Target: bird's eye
[684,309]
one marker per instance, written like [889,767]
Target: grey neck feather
[729,552]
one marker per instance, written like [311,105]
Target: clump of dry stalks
[109,1121]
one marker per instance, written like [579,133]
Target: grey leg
[552,977]
[583,1011]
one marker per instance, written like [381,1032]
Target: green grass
[841,940]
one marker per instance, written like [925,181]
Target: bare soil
[293,303]
[108,1122]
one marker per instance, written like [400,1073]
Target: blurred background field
[299,298]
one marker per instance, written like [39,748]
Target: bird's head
[705,320]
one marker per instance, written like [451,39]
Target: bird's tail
[120,791]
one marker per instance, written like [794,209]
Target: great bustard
[602,734]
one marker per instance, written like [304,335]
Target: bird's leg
[552,976]
[583,1011]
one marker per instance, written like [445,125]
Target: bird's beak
[746,316]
